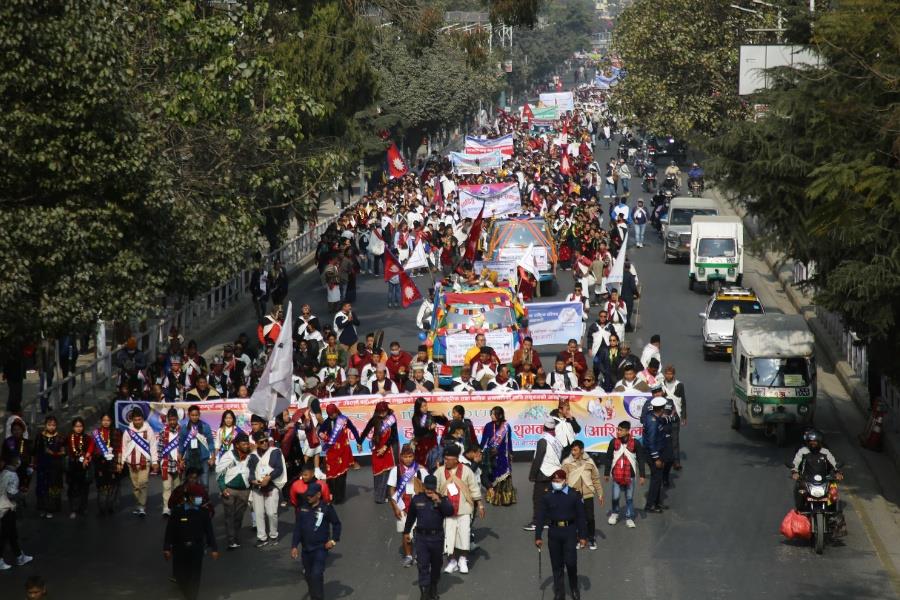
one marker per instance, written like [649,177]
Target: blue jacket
[202,451]
[315,526]
[657,436]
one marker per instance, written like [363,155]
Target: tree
[538,53]
[77,182]
[820,171]
[682,62]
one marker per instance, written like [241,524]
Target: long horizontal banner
[497,198]
[597,413]
[503,144]
[474,164]
[563,100]
[553,323]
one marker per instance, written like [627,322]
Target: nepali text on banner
[596,412]
[503,144]
[497,198]
[552,323]
[474,164]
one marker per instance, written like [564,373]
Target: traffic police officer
[563,510]
[188,532]
[427,512]
[658,442]
[317,530]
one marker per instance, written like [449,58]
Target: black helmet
[812,435]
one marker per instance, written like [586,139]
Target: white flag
[528,262]
[418,259]
[273,392]
[617,273]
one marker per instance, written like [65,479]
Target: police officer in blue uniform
[658,443]
[563,511]
[317,530]
[189,532]
[427,511]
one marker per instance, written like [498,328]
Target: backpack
[622,470]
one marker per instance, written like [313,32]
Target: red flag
[564,167]
[409,293]
[474,234]
[396,165]
[527,113]
[391,265]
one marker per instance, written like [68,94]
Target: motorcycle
[649,182]
[670,183]
[696,187]
[817,487]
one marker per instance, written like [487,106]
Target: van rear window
[683,216]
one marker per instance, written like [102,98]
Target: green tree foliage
[425,90]
[682,61]
[820,171]
[77,184]
[539,52]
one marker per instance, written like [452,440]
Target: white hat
[550,423]
[658,402]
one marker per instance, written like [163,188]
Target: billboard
[755,60]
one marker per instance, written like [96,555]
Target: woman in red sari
[383,426]
[334,433]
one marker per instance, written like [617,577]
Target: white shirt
[425,312]
[650,351]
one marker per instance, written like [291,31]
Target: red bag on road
[796,526]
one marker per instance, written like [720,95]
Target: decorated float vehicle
[461,316]
[508,239]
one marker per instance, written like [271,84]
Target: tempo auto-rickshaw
[773,371]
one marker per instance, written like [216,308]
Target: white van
[717,252]
[676,229]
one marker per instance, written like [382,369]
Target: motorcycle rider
[673,171]
[812,446]
[695,175]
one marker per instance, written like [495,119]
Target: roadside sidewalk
[872,487]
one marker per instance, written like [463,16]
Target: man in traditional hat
[353,387]
[233,476]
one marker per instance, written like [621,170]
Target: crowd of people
[435,486]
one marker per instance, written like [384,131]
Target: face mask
[558,485]
[395,352]
[198,501]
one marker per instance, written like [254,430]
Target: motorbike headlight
[756,409]
[817,491]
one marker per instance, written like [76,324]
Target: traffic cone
[870,438]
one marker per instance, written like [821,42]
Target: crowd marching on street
[437,485]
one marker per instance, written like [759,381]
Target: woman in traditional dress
[50,468]
[18,444]
[226,433]
[496,439]
[78,452]
[334,434]
[106,444]
[383,426]
[424,429]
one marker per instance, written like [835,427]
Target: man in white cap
[658,442]
[547,460]
[418,383]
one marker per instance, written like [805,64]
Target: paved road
[719,540]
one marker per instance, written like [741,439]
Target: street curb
[855,388]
